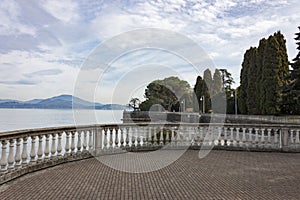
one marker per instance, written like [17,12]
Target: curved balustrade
[30,150]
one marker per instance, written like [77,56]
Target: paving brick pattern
[220,175]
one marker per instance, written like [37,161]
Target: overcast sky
[45,43]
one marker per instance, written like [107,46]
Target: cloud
[65,11]
[46,42]
[11,23]
[19,82]
[48,72]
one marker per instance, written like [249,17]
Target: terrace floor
[220,175]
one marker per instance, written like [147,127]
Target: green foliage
[291,93]
[217,83]
[243,95]
[227,80]
[263,75]
[252,78]
[201,90]
[134,103]
[207,77]
[167,93]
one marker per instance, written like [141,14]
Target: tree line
[267,85]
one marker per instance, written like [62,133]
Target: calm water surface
[16,119]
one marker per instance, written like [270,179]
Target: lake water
[16,119]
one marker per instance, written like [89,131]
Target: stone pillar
[284,139]
[97,140]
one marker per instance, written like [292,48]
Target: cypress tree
[263,75]
[260,63]
[252,78]
[217,83]
[293,87]
[208,80]
[274,70]
[201,90]
[242,95]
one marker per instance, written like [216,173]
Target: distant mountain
[60,102]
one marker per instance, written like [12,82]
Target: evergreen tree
[252,78]
[243,95]
[263,75]
[293,88]
[207,77]
[260,62]
[201,90]
[217,83]
[274,70]
[229,92]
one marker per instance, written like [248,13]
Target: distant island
[60,102]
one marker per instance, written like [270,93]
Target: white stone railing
[30,150]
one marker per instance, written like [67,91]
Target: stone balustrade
[30,150]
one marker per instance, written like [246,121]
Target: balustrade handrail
[34,148]
[49,130]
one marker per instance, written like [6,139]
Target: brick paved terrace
[219,175]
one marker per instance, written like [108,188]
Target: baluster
[24,151]
[127,137]
[53,146]
[47,152]
[122,138]
[105,138]
[79,142]
[84,141]
[3,162]
[219,136]
[276,134]
[133,137]
[189,136]
[181,136]
[196,136]
[155,137]
[90,141]
[11,159]
[225,137]
[161,136]
[178,137]
[186,136]
[231,136]
[244,136]
[40,148]
[149,136]
[18,153]
[297,137]
[167,136]
[138,137]
[59,146]
[67,147]
[110,138]
[145,137]
[292,137]
[269,136]
[256,135]
[262,141]
[33,151]
[201,136]
[237,138]
[172,137]
[211,136]
[116,138]
[250,130]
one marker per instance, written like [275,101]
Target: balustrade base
[33,167]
